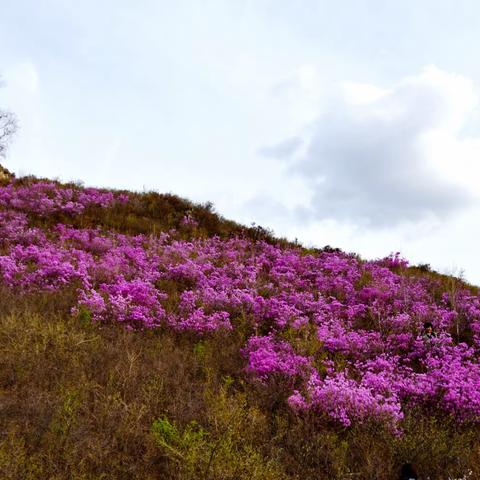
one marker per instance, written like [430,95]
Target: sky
[354,124]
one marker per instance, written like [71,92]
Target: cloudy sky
[350,123]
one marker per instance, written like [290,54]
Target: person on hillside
[407,472]
[428,333]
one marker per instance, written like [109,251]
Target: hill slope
[144,336]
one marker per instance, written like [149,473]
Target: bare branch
[8,126]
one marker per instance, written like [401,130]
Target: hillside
[144,336]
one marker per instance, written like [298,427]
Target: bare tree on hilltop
[8,126]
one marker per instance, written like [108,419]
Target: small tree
[8,126]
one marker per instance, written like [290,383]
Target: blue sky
[349,123]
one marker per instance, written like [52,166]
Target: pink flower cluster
[268,357]
[46,198]
[347,401]
[344,334]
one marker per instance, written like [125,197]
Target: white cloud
[382,157]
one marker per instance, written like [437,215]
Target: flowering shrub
[134,302]
[266,357]
[46,198]
[346,332]
[346,401]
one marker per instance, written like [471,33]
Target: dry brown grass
[79,400]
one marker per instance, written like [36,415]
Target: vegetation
[144,386]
